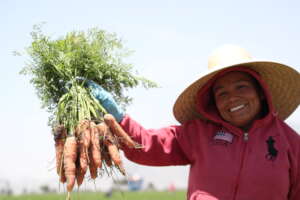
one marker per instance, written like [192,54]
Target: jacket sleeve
[160,147]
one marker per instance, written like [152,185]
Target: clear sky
[172,41]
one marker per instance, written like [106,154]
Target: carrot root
[118,131]
[70,153]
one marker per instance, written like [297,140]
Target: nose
[232,97]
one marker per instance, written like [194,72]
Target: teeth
[237,108]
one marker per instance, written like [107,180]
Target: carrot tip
[68,196]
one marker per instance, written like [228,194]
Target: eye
[221,94]
[241,86]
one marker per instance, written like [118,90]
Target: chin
[240,124]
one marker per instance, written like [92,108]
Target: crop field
[143,195]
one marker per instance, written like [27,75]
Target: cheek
[254,97]
[258,104]
[220,106]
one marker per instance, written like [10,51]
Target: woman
[232,131]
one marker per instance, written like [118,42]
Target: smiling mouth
[236,108]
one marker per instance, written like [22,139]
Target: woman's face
[237,99]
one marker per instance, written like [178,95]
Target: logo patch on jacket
[272,151]
[225,136]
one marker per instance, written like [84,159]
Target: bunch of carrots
[86,137]
[92,146]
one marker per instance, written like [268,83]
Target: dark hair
[260,91]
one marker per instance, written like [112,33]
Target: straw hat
[282,80]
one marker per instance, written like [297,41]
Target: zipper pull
[246,137]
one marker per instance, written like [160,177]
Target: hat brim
[282,80]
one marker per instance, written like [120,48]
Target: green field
[178,195]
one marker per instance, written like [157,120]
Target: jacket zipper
[245,139]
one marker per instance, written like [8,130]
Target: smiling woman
[232,131]
[238,99]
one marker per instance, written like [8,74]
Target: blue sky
[171,41]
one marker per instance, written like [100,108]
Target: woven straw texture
[283,83]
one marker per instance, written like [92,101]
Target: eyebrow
[217,88]
[220,87]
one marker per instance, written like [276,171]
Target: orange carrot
[59,132]
[114,152]
[81,127]
[59,148]
[87,137]
[62,175]
[95,146]
[106,157]
[102,129]
[92,166]
[103,132]
[79,176]
[59,136]
[118,130]
[80,173]
[82,130]
[70,154]
[84,135]
[81,163]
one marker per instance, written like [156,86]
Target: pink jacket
[225,163]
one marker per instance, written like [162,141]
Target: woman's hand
[104,97]
[106,100]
